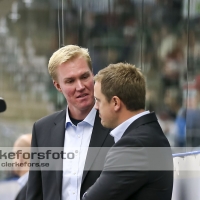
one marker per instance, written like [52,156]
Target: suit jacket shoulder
[145,131]
[49,131]
[55,117]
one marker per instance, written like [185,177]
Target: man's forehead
[97,87]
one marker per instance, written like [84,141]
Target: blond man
[77,126]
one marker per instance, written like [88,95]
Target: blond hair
[125,81]
[65,54]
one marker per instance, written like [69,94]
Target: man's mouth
[82,95]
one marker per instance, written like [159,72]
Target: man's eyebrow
[68,78]
[85,73]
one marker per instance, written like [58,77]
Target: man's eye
[84,77]
[69,81]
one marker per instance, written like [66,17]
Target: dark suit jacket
[136,174]
[22,193]
[49,132]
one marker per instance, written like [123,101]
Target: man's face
[106,109]
[75,81]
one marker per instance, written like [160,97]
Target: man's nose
[79,85]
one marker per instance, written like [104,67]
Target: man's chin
[87,102]
[104,124]
[86,105]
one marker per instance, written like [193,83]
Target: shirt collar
[23,179]
[120,129]
[89,118]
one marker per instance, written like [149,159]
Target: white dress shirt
[23,180]
[77,140]
[119,130]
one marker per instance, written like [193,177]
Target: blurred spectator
[172,101]
[188,118]
[14,187]
[167,43]
[168,113]
[22,143]
[173,68]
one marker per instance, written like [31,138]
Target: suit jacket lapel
[57,140]
[99,135]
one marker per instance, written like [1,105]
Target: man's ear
[116,103]
[57,86]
